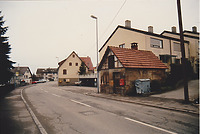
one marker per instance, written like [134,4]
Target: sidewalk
[163,103]
[173,104]
[14,117]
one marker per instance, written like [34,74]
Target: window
[156,43]
[177,47]
[73,55]
[70,64]
[76,64]
[122,46]
[134,46]
[64,71]
[177,61]
[164,58]
[111,62]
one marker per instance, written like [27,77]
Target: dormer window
[134,46]
[122,46]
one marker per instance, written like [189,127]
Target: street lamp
[94,17]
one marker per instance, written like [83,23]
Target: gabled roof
[61,62]
[21,70]
[88,62]
[130,58]
[139,31]
[189,36]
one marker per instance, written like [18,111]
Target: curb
[38,124]
[127,101]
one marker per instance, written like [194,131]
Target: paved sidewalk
[193,91]
[159,102]
[14,117]
[163,103]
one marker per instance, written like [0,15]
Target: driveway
[193,88]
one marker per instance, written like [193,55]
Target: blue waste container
[142,86]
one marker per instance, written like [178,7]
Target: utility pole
[186,95]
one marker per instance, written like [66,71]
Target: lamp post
[94,17]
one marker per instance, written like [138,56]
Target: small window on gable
[73,55]
[156,43]
[76,64]
[134,46]
[122,46]
[70,64]
[111,62]
[64,71]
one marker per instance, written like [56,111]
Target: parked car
[41,81]
[78,83]
[34,82]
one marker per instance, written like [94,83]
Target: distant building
[50,74]
[68,71]
[120,67]
[22,75]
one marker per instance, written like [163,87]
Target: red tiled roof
[87,62]
[130,58]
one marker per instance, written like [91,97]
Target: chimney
[128,23]
[150,29]
[194,29]
[173,29]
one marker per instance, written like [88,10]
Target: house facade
[68,71]
[22,75]
[166,48]
[193,38]
[50,74]
[120,67]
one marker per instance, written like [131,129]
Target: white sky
[40,31]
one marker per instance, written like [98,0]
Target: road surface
[62,111]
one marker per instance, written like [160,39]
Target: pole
[186,96]
[94,17]
[97,56]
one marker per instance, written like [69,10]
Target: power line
[113,18]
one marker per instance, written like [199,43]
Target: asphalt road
[62,111]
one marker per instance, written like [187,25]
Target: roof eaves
[189,36]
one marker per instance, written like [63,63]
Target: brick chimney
[173,29]
[194,29]
[128,23]
[150,29]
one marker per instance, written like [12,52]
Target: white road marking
[56,95]
[81,103]
[45,91]
[161,129]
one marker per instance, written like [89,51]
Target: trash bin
[142,86]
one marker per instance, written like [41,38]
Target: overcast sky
[40,31]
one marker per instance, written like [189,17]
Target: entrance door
[116,78]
